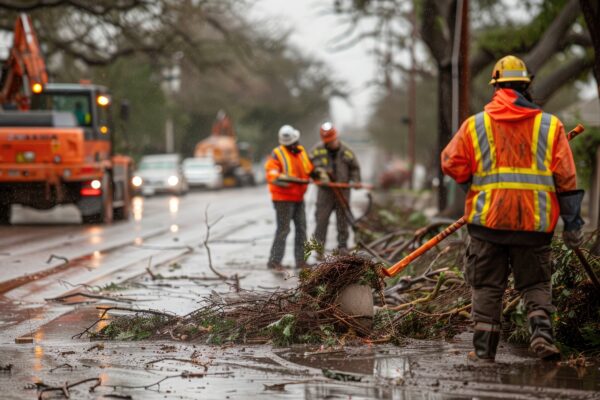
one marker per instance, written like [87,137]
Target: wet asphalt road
[166,235]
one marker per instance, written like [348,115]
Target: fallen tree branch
[91,296]
[107,309]
[184,375]
[185,360]
[428,298]
[64,389]
[54,256]
[225,278]
[62,366]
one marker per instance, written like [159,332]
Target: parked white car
[203,172]
[160,173]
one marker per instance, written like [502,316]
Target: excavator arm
[24,72]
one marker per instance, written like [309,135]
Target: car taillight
[91,188]
[88,170]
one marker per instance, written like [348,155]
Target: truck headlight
[29,156]
[137,181]
[96,184]
[173,180]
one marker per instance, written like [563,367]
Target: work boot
[343,251]
[485,341]
[274,265]
[542,341]
[303,264]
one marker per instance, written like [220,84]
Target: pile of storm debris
[430,300]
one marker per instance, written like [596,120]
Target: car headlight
[173,180]
[137,181]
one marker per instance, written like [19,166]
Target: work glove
[281,181]
[573,239]
[570,210]
[465,186]
[323,176]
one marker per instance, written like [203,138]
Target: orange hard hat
[328,132]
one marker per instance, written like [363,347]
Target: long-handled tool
[340,199]
[587,267]
[400,265]
[339,185]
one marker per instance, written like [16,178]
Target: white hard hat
[288,135]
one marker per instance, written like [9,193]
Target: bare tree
[554,29]
[99,32]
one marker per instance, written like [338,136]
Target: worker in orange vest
[515,162]
[287,162]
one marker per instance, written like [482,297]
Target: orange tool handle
[425,247]
[400,265]
[343,185]
[340,185]
[575,131]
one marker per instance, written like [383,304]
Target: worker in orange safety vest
[287,162]
[515,162]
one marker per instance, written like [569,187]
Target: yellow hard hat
[510,69]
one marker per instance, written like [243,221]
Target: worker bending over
[334,162]
[287,162]
[516,164]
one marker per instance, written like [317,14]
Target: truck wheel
[5,212]
[122,213]
[105,216]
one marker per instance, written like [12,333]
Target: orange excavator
[233,157]
[56,140]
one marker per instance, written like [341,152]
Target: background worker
[336,162]
[518,167]
[287,162]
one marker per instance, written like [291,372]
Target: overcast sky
[313,33]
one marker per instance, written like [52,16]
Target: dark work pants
[287,211]
[326,203]
[487,268]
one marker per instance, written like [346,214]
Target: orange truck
[56,140]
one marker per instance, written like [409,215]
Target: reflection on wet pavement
[138,208]
[173,205]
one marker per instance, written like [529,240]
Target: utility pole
[465,79]
[169,135]
[412,98]
[171,85]
[453,199]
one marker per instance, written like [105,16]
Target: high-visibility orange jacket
[515,158]
[283,161]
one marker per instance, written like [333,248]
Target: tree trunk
[595,199]
[591,13]
[444,123]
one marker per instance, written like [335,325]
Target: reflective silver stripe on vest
[542,144]
[484,145]
[479,207]
[542,203]
[509,177]
[286,167]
